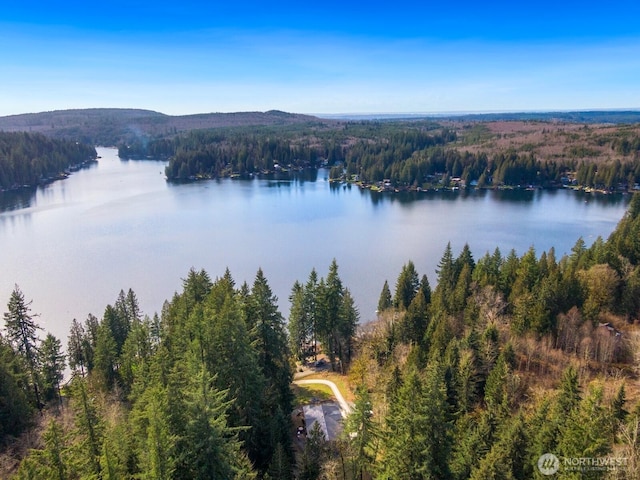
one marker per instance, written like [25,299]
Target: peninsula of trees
[412,155]
[505,359]
[29,159]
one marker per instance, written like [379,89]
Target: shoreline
[48,180]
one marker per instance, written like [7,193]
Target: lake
[72,245]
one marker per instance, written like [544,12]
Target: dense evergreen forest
[28,159]
[507,358]
[240,151]
[402,155]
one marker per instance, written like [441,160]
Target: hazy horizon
[346,115]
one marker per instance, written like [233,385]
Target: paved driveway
[328,415]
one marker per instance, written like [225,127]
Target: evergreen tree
[116,454]
[55,452]
[91,326]
[600,284]
[106,355]
[495,390]
[280,465]
[331,295]
[312,306]
[213,446]
[467,380]
[15,412]
[472,441]
[269,338]
[157,447]
[348,322]
[136,352]
[465,258]
[508,273]
[462,289]
[197,285]
[407,286]
[52,366]
[507,459]
[588,431]
[569,396]
[442,298]
[117,318]
[413,324]
[298,325]
[21,332]
[228,352]
[315,450]
[617,405]
[89,427]
[76,352]
[361,433]
[487,271]
[385,301]
[132,307]
[577,259]
[425,289]
[50,462]
[416,443]
[544,426]
[550,418]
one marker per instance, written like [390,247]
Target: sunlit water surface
[73,245]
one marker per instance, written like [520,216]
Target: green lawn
[341,381]
[305,394]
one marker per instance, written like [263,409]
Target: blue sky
[319,57]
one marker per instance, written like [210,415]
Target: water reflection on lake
[72,245]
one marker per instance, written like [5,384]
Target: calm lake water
[73,245]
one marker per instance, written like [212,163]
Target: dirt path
[345,408]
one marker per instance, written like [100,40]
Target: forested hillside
[111,126]
[241,152]
[31,159]
[505,359]
[416,155]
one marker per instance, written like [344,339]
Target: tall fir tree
[76,354]
[362,434]
[269,338]
[298,325]
[213,446]
[385,301]
[416,442]
[52,366]
[407,286]
[15,411]
[312,304]
[443,293]
[21,331]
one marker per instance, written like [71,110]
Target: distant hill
[592,116]
[110,126]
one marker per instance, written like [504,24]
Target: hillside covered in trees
[505,359]
[32,159]
[111,126]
